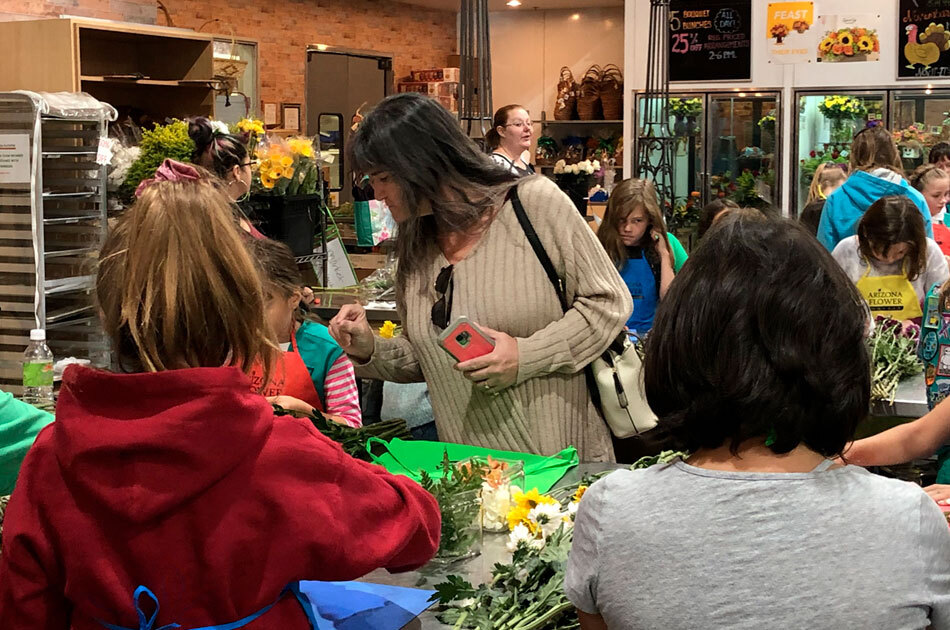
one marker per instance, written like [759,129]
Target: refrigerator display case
[919,119]
[742,149]
[825,126]
[687,113]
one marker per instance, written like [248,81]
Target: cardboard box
[431,88]
[436,74]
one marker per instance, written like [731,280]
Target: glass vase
[461,528]
[497,496]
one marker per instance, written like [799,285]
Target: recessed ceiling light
[576,16]
[513,3]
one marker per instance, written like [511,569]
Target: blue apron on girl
[642,282]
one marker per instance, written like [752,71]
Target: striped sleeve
[342,396]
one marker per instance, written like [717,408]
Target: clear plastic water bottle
[38,372]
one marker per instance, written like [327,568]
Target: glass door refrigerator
[919,119]
[743,154]
[687,115]
[826,123]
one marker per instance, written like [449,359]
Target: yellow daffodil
[277,173]
[286,161]
[289,172]
[387,330]
[266,166]
[266,181]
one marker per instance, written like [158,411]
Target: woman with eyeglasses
[509,138]
[876,171]
[226,156]
[463,252]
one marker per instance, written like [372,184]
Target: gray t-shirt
[847,254]
[680,547]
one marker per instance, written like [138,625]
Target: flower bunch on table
[535,517]
[286,167]
[837,107]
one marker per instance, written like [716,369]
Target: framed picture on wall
[290,116]
[270,114]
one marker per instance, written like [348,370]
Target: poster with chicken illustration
[849,38]
[790,32]
[923,39]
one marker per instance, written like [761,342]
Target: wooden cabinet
[159,71]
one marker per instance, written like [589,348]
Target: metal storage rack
[51,229]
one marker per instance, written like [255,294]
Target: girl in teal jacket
[19,424]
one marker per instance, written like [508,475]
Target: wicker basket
[588,95]
[565,107]
[611,92]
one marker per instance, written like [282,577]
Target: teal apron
[934,351]
[148,623]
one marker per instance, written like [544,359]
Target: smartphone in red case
[464,340]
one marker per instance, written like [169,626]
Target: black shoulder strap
[538,248]
[555,279]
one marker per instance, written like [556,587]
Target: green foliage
[893,350]
[456,492]
[164,141]
[352,439]
[664,457]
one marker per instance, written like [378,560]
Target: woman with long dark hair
[463,252]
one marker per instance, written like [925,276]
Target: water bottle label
[38,374]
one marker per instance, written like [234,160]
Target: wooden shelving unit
[160,71]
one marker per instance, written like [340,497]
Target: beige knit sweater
[501,285]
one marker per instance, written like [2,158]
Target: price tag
[105,151]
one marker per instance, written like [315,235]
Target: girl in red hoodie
[170,479]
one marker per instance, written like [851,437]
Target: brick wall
[417,37]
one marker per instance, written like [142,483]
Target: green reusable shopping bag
[409,457]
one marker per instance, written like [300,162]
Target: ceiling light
[742,94]
[513,3]
[321,46]
[576,16]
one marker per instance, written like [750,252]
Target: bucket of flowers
[285,191]
[842,111]
[575,180]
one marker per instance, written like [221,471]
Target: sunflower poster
[849,38]
[790,34]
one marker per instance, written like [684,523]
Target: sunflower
[826,44]
[865,44]
[845,38]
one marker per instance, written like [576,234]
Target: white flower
[495,505]
[559,167]
[521,535]
[571,169]
[547,516]
[465,603]
[219,127]
[572,509]
[596,165]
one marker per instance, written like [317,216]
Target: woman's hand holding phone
[497,370]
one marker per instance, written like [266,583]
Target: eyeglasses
[524,124]
[444,287]
[248,163]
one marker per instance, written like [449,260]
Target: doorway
[341,81]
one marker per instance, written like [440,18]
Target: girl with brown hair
[891,260]
[170,480]
[933,182]
[647,256]
[876,171]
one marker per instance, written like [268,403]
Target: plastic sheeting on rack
[70,105]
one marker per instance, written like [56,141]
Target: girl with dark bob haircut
[757,365]
[753,359]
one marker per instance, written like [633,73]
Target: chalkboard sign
[710,40]
[923,48]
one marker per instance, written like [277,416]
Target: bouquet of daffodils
[286,167]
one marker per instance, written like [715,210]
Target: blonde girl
[646,255]
[933,182]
